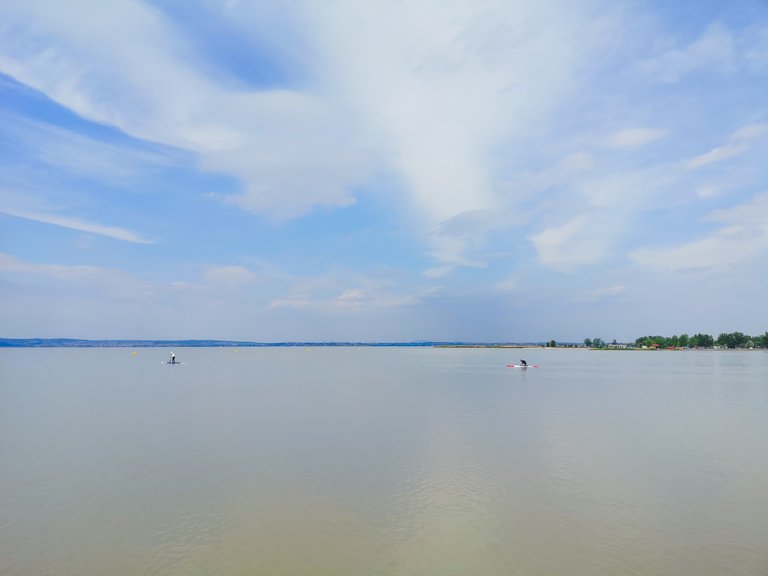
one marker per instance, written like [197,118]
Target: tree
[598,343]
[702,341]
[732,340]
[552,344]
[684,340]
[651,341]
[588,342]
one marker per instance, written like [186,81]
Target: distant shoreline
[80,343]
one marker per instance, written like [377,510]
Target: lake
[383,461]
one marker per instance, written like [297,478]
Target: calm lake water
[383,461]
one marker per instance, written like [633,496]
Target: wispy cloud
[107,285]
[79,225]
[570,245]
[357,298]
[294,302]
[290,150]
[599,208]
[714,50]
[342,291]
[507,285]
[81,155]
[739,142]
[594,211]
[232,276]
[11,264]
[742,238]
[607,292]
[635,137]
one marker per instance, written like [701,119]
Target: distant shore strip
[77,343]
[728,340]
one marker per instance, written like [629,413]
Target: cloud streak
[113,232]
[714,50]
[635,137]
[742,238]
[737,144]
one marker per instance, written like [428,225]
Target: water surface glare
[383,461]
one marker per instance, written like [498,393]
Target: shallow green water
[396,461]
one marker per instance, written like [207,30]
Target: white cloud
[608,292]
[743,238]
[353,298]
[126,66]
[708,191]
[343,291]
[595,210]
[428,90]
[570,245]
[441,95]
[48,300]
[375,299]
[575,163]
[11,264]
[531,190]
[739,142]
[78,281]
[750,132]
[635,137]
[755,45]
[718,154]
[715,50]
[507,285]
[79,225]
[443,86]
[79,154]
[232,276]
[293,302]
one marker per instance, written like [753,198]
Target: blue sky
[383,171]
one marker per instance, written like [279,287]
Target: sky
[492,171]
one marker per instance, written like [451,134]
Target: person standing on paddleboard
[173,358]
[523,363]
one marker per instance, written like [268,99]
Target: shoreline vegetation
[731,340]
[726,340]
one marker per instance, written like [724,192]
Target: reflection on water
[382,461]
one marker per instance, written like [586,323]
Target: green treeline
[724,340]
